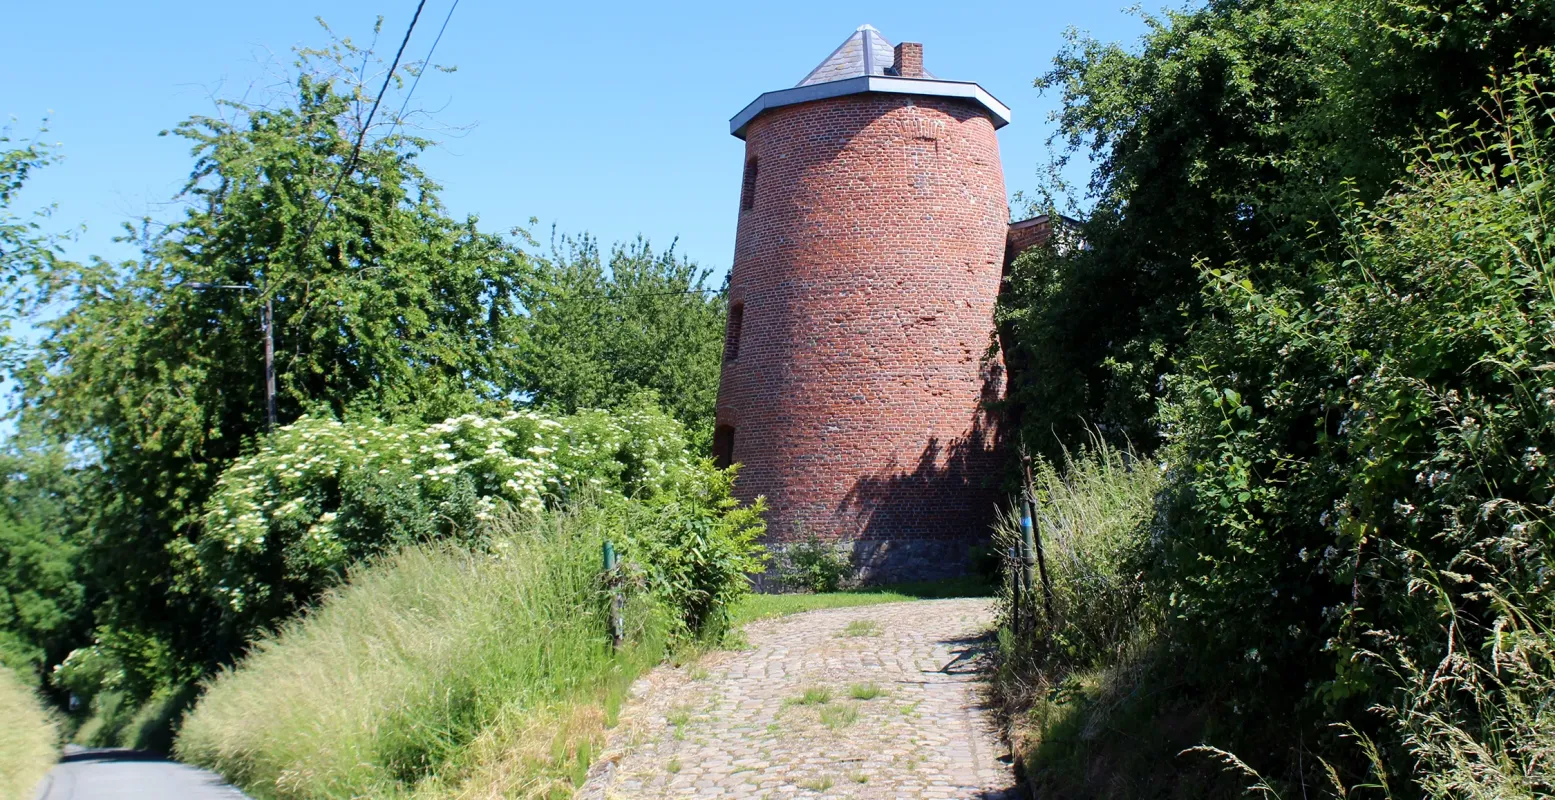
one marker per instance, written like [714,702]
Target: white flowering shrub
[321,494]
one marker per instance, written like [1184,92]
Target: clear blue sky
[610,118]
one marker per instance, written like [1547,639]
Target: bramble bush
[1346,572]
[1366,444]
[320,494]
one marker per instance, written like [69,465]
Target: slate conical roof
[866,52]
[863,65]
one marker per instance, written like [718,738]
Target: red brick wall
[867,268]
[908,61]
[1025,237]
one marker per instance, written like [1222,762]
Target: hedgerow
[322,494]
[1347,577]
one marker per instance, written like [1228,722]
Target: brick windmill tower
[871,242]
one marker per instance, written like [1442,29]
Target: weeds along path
[871,702]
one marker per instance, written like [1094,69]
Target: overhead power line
[424,64]
[361,135]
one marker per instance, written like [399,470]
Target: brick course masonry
[868,258]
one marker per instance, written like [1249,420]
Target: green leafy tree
[24,244]
[43,609]
[43,599]
[383,304]
[596,334]
[1231,132]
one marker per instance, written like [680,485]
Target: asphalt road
[129,775]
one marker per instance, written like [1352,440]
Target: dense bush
[441,670]
[697,547]
[812,565]
[320,494]
[1343,435]
[29,739]
[1350,558]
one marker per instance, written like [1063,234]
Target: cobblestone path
[872,702]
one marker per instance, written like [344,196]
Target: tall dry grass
[1065,678]
[435,672]
[1477,717]
[1477,722]
[1092,512]
[29,739]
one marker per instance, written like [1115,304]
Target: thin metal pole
[1034,542]
[612,579]
[1015,592]
[1028,546]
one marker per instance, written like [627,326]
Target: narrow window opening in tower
[723,446]
[732,337]
[748,186]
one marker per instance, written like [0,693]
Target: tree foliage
[389,314]
[24,245]
[383,304]
[44,609]
[1232,132]
[1346,441]
[598,333]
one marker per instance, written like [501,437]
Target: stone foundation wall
[886,561]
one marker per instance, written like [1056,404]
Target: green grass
[862,627]
[814,696]
[839,716]
[865,691]
[765,606]
[28,737]
[679,719]
[820,784]
[436,672]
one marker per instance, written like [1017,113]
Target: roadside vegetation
[471,660]
[1303,551]
[430,372]
[444,671]
[29,739]
[1293,401]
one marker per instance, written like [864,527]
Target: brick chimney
[909,60]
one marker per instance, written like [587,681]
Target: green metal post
[613,580]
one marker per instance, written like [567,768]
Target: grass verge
[28,737]
[766,606]
[435,673]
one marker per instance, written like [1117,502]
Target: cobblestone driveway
[872,702]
